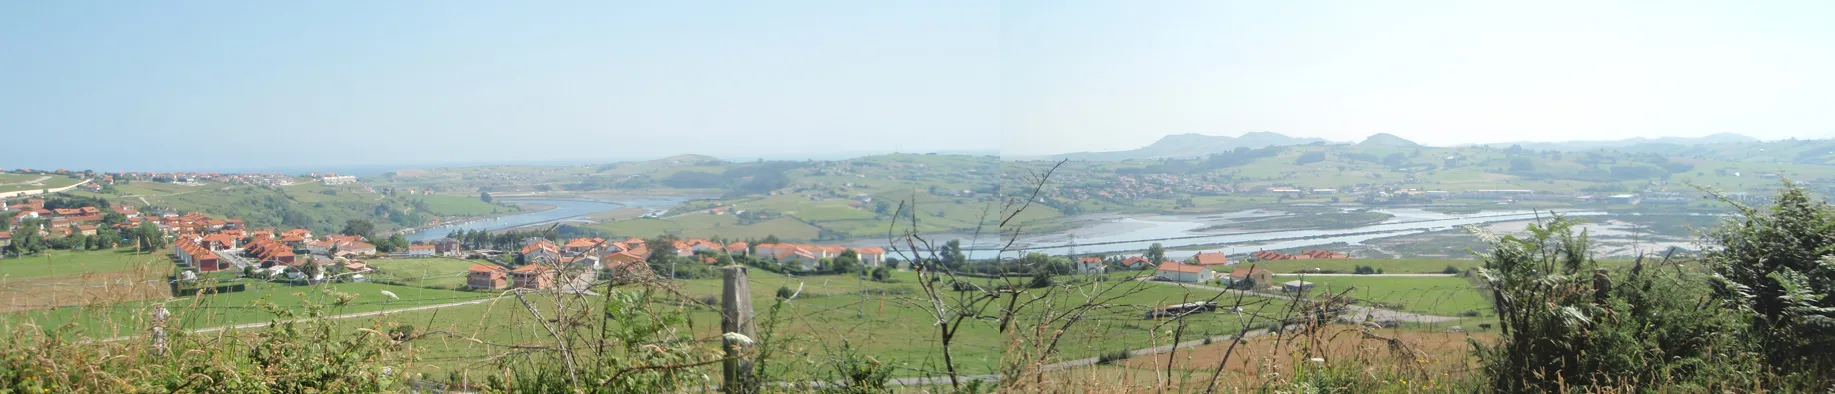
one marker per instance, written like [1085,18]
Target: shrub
[1450,269]
[1110,357]
[1470,313]
[1776,264]
[784,292]
[1566,326]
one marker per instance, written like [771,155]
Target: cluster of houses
[63,222]
[234,247]
[545,261]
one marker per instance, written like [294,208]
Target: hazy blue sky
[215,83]
[1115,75]
[221,84]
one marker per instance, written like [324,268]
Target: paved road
[1355,311]
[1377,275]
[333,317]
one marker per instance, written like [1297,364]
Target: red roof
[532,268]
[1216,258]
[485,268]
[420,247]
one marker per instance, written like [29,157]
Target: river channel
[1128,234]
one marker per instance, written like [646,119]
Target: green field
[213,310]
[885,322]
[454,206]
[1346,266]
[62,262]
[1430,295]
[23,182]
[437,272]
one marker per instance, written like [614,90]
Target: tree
[891,262]
[149,237]
[1522,164]
[847,262]
[358,227]
[485,196]
[882,207]
[1156,253]
[881,274]
[952,254]
[113,218]
[400,242]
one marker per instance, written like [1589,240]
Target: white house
[420,251]
[1185,272]
[1089,265]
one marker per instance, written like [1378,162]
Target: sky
[1104,76]
[216,85]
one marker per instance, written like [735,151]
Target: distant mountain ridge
[1194,145]
[1198,145]
[1569,146]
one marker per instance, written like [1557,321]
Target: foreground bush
[1567,324]
[289,357]
[1777,267]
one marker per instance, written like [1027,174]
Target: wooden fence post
[736,317]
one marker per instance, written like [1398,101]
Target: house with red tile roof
[533,276]
[871,256]
[1261,278]
[218,241]
[491,277]
[127,211]
[1136,262]
[583,245]
[738,248]
[626,268]
[1209,259]
[420,250]
[541,250]
[300,233]
[1089,265]
[1188,273]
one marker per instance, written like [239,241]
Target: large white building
[1187,273]
[338,180]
